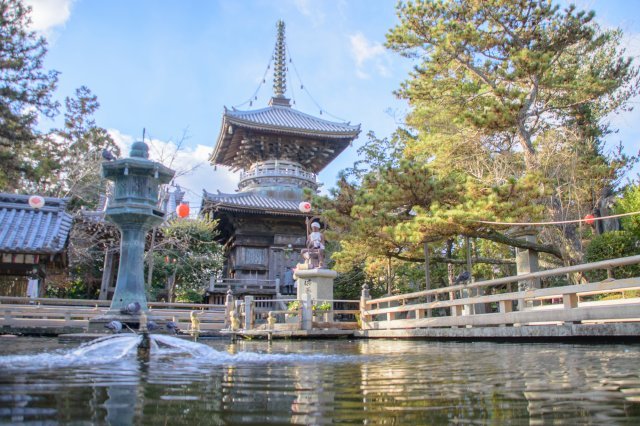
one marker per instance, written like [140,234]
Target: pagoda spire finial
[280,65]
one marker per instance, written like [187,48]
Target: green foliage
[79,153]
[294,307]
[348,285]
[611,245]
[25,92]
[508,104]
[60,163]
[189,296]
[629,203]
[324,306]
[509,68]
[72,289]
[188,255]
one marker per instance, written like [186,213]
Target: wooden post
[389,283]
[364,297]
[427,269]
[570,301]
[107,273]
[171,285]
[467,241]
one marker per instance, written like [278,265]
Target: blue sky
[171,66]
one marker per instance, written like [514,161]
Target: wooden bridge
[486,309]
[605,309]
[46,316]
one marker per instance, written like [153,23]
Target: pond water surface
[318,382]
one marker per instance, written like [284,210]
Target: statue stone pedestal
[314,286]
[318,283]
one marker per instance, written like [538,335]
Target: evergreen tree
[25,92]
[81,143]
[510,70]
[508,112]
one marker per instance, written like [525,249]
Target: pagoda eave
[244,145]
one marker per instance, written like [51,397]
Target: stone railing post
[248,312]
[278,286]
[307,312]
[364,297]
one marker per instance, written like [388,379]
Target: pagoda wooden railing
[219,285]
[281,169]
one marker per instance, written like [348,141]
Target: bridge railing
[293,314]
[49,313]
[466,305]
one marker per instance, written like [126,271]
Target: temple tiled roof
[251,203]
[27,230]
[284,119]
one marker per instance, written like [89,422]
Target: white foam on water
[119,347]
[100,351]
[168,345]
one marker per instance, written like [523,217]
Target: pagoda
[279,152]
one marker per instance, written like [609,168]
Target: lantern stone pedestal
[134,210]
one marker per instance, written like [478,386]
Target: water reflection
[346,382]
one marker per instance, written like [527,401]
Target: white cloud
[311,10]
[631,43]
[46,15]
[193,171]
[368,56]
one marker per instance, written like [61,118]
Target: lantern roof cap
[139,149]
[139,166]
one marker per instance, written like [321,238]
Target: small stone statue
[195,321]
[314,253]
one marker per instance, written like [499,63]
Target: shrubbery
[611,245]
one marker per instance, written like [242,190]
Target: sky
[171,66]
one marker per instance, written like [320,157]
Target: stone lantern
[134,209]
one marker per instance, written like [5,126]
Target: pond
[318,382]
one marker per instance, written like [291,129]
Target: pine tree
[25,92]
[517,91]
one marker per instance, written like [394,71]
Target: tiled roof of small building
[285,119]
[252,203]
[24,229]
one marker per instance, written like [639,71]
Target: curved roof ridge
[278,116]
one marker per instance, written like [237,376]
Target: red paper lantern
[36,202]
[304,207]
[182,210]
[589,219]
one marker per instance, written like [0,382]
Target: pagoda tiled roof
[280,131]
[249,202]
[24,229]
[285,119]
